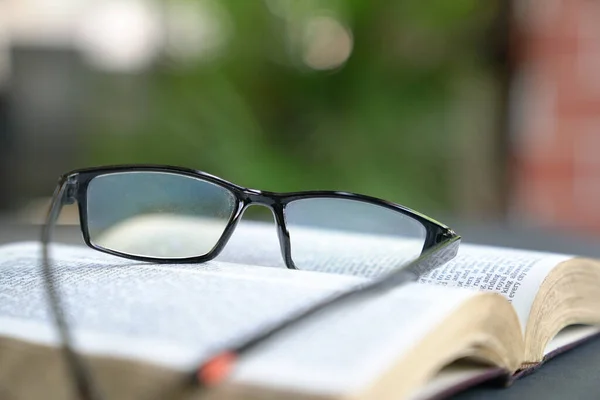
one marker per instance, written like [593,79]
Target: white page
[569,335]
[345,350]
[449,377]
[168,314]
[515,274]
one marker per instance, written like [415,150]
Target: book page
[465,373]
[515,274]
[569,336]
[343,351]
[169,314]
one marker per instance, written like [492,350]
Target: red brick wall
[555,113]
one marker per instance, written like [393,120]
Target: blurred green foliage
[380,124]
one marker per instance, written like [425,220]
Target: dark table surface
[573,375]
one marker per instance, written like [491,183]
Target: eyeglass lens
[157,214]
[351,236]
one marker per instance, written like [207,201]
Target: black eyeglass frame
[441,245]
[75,185]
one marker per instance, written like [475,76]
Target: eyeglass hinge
[447,233]
[70,190]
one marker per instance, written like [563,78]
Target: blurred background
[466,110]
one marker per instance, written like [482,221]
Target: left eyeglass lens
[157,214]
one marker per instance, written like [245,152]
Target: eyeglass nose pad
[284,236]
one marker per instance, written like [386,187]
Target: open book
[488,313]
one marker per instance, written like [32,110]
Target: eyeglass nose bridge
[272,201]
[259,197]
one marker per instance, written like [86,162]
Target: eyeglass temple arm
[79,371]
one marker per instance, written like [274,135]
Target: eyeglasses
[169,214]
[176,215]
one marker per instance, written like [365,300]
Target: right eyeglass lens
[350,236]
[157,214]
